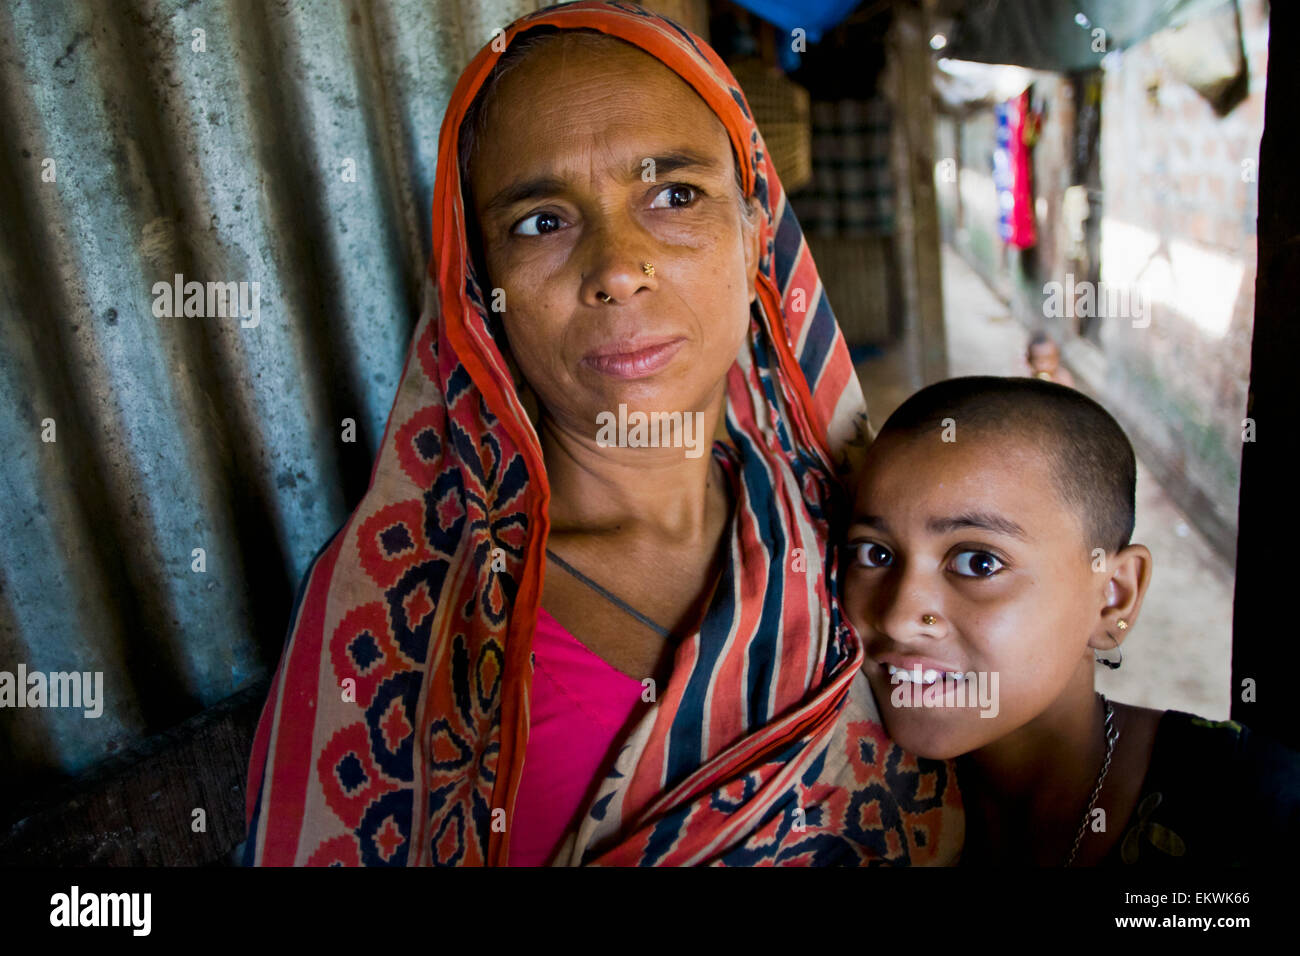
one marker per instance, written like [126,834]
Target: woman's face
[596,159]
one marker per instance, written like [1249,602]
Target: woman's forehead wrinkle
[610,75]
[621,150]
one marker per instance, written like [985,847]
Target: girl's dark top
[1215,794]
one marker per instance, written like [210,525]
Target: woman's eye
[538,224]
[676,195]
[977,564]
[871,555]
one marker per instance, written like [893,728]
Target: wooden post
[910,84]
[1265,649]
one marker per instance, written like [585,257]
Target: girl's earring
[1115,663]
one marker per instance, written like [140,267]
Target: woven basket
[780,109]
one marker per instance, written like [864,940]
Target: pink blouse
[579,707]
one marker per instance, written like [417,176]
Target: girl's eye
[871,555]
[977,564]
[674,196]
[538,224]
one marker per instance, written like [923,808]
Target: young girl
[988,566]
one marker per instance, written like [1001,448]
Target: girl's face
[596,160]
[962,558]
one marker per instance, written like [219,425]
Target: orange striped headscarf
[397,725]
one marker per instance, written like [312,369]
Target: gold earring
[928,619]
[1122,624]
[647,268]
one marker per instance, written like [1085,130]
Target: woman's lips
[633,359]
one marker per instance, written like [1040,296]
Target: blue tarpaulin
[814,17]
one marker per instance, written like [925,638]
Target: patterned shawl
[397,723]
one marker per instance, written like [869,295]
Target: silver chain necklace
[1112,735]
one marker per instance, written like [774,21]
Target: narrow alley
[1180,653]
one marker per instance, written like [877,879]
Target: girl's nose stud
[647,268]
[604,297]
[928,619]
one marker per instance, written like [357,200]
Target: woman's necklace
[1112,735]
[610,596]
[613,598]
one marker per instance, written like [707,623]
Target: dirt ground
[1179,655]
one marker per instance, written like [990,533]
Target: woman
[532,643]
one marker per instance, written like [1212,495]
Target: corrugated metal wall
[133,149]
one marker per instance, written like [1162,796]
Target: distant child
[987,564]
[1044,360]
